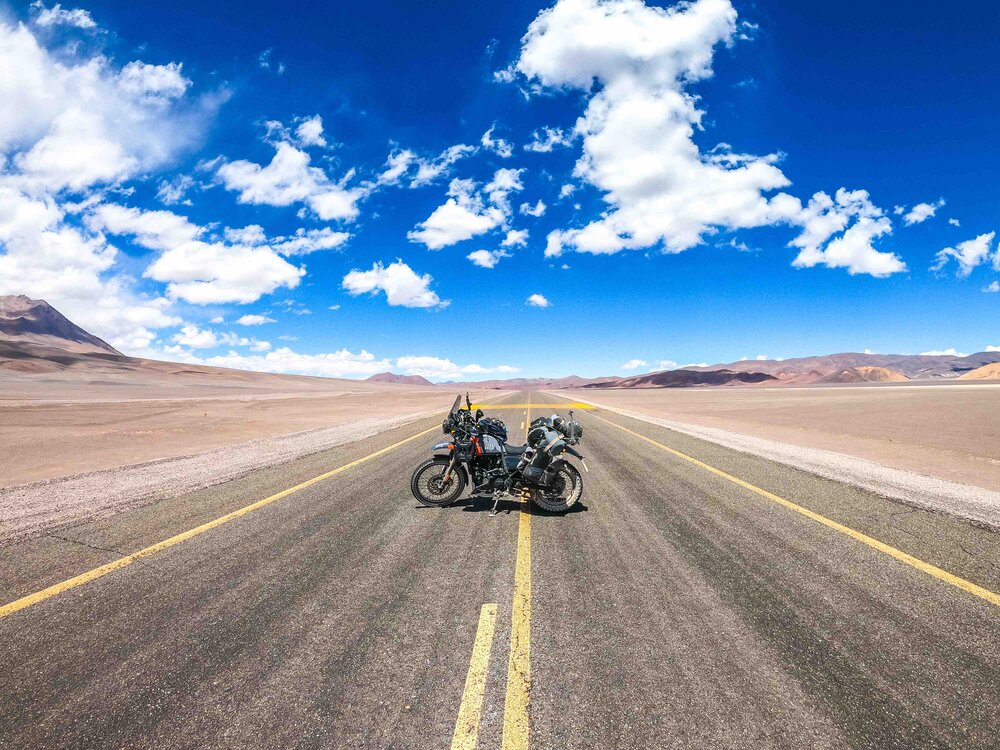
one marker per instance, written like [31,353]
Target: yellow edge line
[925,567]
[471,710]
[103,570]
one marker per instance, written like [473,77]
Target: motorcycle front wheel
[563,493]
[429,486]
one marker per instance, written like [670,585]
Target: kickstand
[496,501]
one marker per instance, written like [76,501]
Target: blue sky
[719,180]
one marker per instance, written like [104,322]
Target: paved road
[674,608]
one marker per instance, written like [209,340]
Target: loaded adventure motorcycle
[478,454]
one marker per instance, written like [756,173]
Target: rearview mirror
[479,414]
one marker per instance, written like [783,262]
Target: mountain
[33,321]
[986,372]
[864,374]
[811,369]
[391,377]
[686,379]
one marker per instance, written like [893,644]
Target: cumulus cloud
[400,283]
[69,122]
[157,230]
[310,131]
[921,212]
[635,364]
[638,126]
[537,300]
[487,258]
[992,288]
[205,273]
[537,210]
[853,249]
[289,179]
[174,192]
[515,238]
[57,15]
[967,255]
[955,222]
[254,320]
[499,146]
[463,216]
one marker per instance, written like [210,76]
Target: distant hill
[33,321]
[686,379]
[986,372]
[864,374]
[811,369]
[391,377]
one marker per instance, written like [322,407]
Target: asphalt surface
[672,608]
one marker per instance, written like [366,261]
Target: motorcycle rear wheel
[563,493]
[429,487]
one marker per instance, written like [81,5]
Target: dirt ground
[947,430]
[59,424]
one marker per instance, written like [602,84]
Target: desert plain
[944,429]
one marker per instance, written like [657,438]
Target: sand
[56,425]
[948,431]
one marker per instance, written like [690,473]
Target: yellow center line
[515,712]
[103,570]
[903,557]
[469,713]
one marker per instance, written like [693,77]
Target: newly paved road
[677,607]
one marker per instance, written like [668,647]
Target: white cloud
[401,284]
[515,238]
[537,210]
[635,364]
[463,216]
[547,139]
[638,126]
[991,348]
[499,146]
[334,307]
[445,369]
[290,179]
[955,222]
[196,338]
[949,352]
[992,288]
[310,131]
[922,212]
[252,234]
[69,121]
[174,192]
[487,258]
[425,171]
[825,217]
[56,15]
[504,182]
[254,320]
[158,230]
[309,241]
[205,273]
[968,254]
[538,300]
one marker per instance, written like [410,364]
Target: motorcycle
[477,453]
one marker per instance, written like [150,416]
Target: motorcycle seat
[515,450]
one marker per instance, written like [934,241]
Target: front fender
[459,466]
